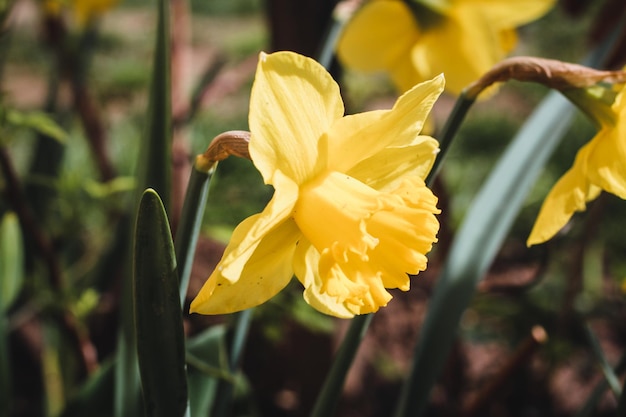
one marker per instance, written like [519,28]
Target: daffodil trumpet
[351,215]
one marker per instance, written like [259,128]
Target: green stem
[331,390]
[333,386]
[609,375]
[461,107]
[327,51]
[598,392]
[5,368]
[225,388]
[189,226]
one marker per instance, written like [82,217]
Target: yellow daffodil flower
[461,38]
[599,165]
[350,215]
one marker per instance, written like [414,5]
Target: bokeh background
[521,330]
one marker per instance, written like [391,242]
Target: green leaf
[11,279]
[158,314]
[38,121]
[207,358]
[609,374]
[5,370]
[156,150]
[108,189]
[189,225]
[154,167]
[11,260]
[484,228]
[95,398]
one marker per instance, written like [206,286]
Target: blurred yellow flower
[86,10]
[83,11]
[599,165]
[350,215]
[462,39]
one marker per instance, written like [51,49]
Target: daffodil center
[331,212]
[367,240]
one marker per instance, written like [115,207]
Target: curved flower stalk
[461,38]
[599,165]
[350,215]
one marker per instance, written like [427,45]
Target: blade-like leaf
[189,225]
[609,374]
[154,167]
[11,260]
[156,150]
[484,228]
[5,371]
[11,279]
[38,121]
[158,314]
[95,397]
[208,363]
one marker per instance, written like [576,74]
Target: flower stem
[331,391]
[332,388]
[461,107]
[189,225]
[341,14]
[223,398]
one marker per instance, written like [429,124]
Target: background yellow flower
[462,39]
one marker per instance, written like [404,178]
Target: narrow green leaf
[5,370]
[11,260]
[38,121]
[11,279]
[328,399]
[95,398]
[156,150]
[226,389]
[127,387]
[207,358]
[52,369]
[608,372]
[154,167]
[189,225]
[598,392]
[158,315]
[484,228]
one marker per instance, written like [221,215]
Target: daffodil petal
[293,102]
[606,163]
[569,195]
[352,139]
[245,240]
[461,59]
[512,13]
[306,261]
[385,169]
[268,270]
[379,35]
[404,74]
